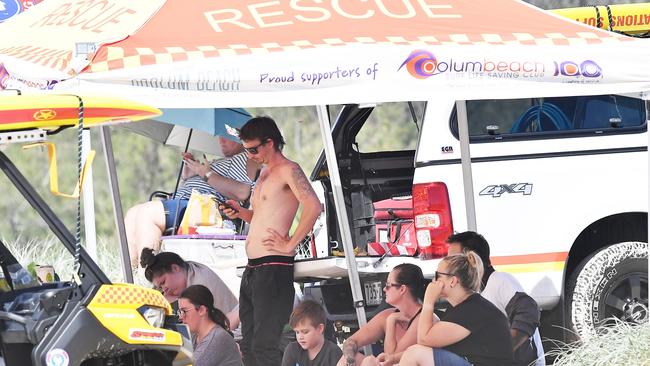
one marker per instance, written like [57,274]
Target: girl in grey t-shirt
[213,342]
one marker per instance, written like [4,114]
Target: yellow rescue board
[19,112]
[627,18]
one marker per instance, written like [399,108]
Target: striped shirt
[233,167]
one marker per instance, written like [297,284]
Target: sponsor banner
[632,18]
[398,90]
[376,67]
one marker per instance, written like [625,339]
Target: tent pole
[114,186]
[180,173]
[342,215]
[466,161]
[178,181]
[88,197]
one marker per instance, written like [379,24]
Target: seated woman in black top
[471,332]
[404,290]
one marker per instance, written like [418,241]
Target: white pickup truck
[560,188]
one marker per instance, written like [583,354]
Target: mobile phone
[224,204]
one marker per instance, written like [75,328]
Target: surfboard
[51,111]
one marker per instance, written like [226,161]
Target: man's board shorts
[170,207]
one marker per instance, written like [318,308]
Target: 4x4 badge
[497,190]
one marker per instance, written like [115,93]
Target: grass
[619,344]
[50,251]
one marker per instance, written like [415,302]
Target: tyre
[611,283]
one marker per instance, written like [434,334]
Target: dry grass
[620,344]
[51,251]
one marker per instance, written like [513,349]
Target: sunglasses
[254,150]
[389,285]
[437,274]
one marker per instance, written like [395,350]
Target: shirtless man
[266,293]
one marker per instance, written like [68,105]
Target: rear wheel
[611,283]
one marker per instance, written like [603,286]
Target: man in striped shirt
[228,178]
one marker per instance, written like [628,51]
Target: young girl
[213,342]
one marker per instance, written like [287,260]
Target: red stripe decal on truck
[529,258]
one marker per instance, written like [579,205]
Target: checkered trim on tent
[52,58]
[112,58]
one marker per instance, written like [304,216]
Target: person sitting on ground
[472,331]
[504,291]
[308,320]
[404,290]
[169,273]
[228,178]
[213,342]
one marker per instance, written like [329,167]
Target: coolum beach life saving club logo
[422,64]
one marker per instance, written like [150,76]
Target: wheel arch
[616,228]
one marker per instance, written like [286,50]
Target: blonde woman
[471,332]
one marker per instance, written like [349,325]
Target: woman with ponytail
[471,332]
[404,291]
[170,274]
[213,342]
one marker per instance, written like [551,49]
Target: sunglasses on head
[254,150]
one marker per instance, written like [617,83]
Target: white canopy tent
[254,53]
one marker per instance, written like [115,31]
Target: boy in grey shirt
[310,348]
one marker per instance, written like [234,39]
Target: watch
[207,175]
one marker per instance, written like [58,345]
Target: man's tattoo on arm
[302,183]
[350,349]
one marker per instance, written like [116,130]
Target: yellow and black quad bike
[87,321]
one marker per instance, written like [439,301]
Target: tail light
[432,216]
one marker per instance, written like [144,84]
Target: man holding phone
[266,293]
[228,178]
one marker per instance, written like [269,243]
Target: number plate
[374,293]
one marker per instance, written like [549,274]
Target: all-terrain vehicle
[88,320]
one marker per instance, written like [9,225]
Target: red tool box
[394,229]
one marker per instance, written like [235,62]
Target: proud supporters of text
[315,78]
